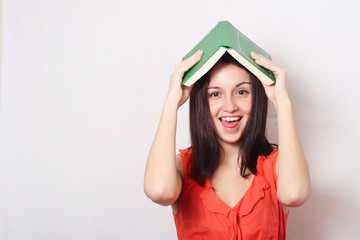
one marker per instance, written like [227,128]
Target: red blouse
[258,215]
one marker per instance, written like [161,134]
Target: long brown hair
[205,146]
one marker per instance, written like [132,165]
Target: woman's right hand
[163,177]
[176,92]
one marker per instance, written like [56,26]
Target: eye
[242,92]
[214,94]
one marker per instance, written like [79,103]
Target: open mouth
[230,122]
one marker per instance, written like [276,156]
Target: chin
[229,140]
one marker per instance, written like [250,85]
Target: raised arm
[163,179]
[293,179]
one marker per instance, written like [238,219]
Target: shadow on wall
[327,215]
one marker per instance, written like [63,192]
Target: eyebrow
[237,85]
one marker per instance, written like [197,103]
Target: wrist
[171,102]
[283,103]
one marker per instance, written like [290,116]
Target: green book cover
[224,37]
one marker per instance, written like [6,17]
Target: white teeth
[230,119]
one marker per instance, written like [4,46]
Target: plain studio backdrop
[83,83]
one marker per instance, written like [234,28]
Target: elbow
[295,197]
[160,195]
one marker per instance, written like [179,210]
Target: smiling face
[229,99]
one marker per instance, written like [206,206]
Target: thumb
[186,93]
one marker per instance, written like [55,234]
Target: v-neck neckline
[244,206]
[238,203]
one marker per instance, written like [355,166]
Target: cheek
[247,108]
[244,106]
[214,108]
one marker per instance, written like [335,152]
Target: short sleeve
[185,155]
[267,167]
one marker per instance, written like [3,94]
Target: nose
[229,104]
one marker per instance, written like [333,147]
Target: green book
[224,37]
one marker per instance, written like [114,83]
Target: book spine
[225,35]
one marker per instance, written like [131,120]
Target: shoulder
[269,158]
[267,165]
[183,160]
[186,153]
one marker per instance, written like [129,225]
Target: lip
[231,124]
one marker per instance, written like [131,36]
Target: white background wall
[83,84]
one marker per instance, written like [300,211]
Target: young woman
[232,183]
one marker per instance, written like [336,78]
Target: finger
[267,65]
[265,62]
[185,95]
[261,58]
[189,62]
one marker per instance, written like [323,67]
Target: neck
[230,152]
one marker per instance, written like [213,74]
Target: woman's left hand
[293,178]
[278,91]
